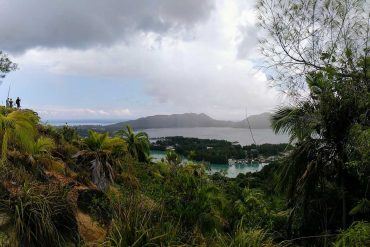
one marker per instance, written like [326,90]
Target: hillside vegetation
[60,189]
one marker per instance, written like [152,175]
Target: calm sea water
[229,171]
[234,170]
[243,136]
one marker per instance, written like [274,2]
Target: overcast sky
[124,59]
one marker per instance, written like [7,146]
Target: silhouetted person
[11,103]
[18,102]
[7,102]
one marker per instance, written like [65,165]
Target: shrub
[135,225]
[357,235]
[97,204]
[40,215]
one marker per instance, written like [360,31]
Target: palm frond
[356,235]
[299,122]
[18,128]
[43,145]
[362,207]
[95,141]
[138,143]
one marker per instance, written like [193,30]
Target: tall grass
[137,225]
[39,216]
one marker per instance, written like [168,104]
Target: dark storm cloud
[83,23]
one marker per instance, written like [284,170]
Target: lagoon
[229,171]
[241,135]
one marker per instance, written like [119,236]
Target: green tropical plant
[43,145]
[173,158]
[68,133]
[138,143]
[136,225]
[362,207]
[320,126]
[98,151]
[246,237]
[39,214]
[355,236]
[252,238]
[17,128]
[300,121]
[40,151]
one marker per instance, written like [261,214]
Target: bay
[230,171]
[242,136]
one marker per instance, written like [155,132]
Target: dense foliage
[94,190]
[319,51]
[216,151]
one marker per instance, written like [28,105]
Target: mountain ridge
[190,120]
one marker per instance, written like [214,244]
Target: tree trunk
[344,204]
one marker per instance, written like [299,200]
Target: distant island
[186,120]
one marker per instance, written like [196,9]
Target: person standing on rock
[18,102]
[11,103]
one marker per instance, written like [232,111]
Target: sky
[123,59]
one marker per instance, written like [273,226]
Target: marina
[231,170]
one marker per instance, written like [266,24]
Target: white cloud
[211,71]
[55,112]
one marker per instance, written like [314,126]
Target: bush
[40,216]
[137,225]
[357,235]
[97,204]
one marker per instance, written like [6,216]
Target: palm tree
[40,151]
[311,166]
[300,121]
[99,152]
[43,145]
[173,158]
[17,128]
[320,128]
[138,144]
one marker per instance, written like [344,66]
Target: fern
[362,207]
[357,235]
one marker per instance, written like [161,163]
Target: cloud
[210,69]
[247,46]
[55,112]
[85,23]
